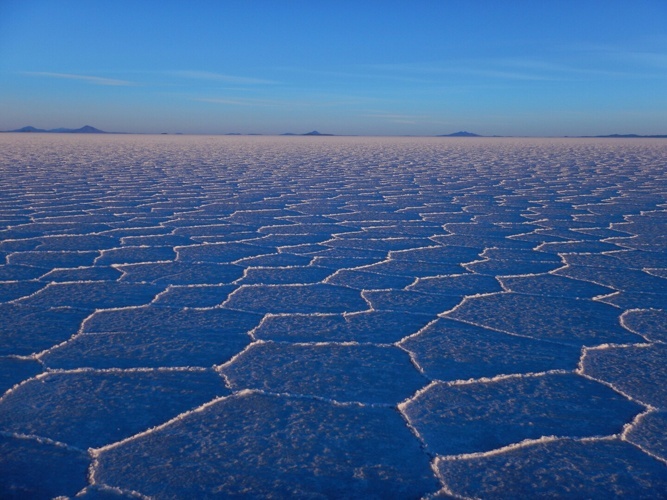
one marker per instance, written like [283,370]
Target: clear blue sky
[510,67]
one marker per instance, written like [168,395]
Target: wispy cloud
[585,63]
[395,117]
[95,80]
[485,68]
[407,119]
[304,102]
[207,75]
[238,101]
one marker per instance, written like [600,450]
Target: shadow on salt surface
[577,247]
[361,280]
[437,254]
[13,371]
[88,409]
[597,233]
[19,273]
[480,242]
[661,273]
[10,246]
[363,373]
[562,468]
[428,215]
[27,330]
[520,255]
[262,217]
[97,273]
[648,242]
[650,236]
[275,260]
[414,269]
[552,285]
[38,469]
[627,280]
[450,350]
[213,233]
[364,215]
[418,229]
[40,229]
[481,416]
[128,255]
[17,289]
[411,302]
[274,447]
[497,267]
[650,323]
[568,321]
[279,240]
[320,229]
[488,230]
[457,285]
[92,295]
[348,253]
[218,252]
[104,492]
[637,370]
[136,228]
[296,299]
[649,434]
[180,273]
[632,300]
[157,240]
[52,260]
[383,245]
[154,337]
[194,295]
[529,240]
[377,327]
[284,275]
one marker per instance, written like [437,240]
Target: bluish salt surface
[189,317]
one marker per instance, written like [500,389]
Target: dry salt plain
[190,317]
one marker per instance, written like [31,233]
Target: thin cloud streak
[536,70]
[207,75]
[239,102]
[404,118]
[95,80]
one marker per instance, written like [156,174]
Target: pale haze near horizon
[377,68]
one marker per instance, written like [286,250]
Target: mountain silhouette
[86,129]
[462,133]
[315,132]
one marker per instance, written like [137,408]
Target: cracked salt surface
[187,317]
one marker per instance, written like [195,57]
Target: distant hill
[29,128]
[627,136]
[462,133]
[314,132]
[86,129]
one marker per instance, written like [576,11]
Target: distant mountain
[460,134]
[315,132]
[86,129]
[29,128]
[627,136]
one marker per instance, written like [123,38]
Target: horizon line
[454,135]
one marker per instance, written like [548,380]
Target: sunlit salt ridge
[348,317]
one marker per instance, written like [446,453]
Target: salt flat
[200,316]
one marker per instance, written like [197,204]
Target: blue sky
[511,67]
